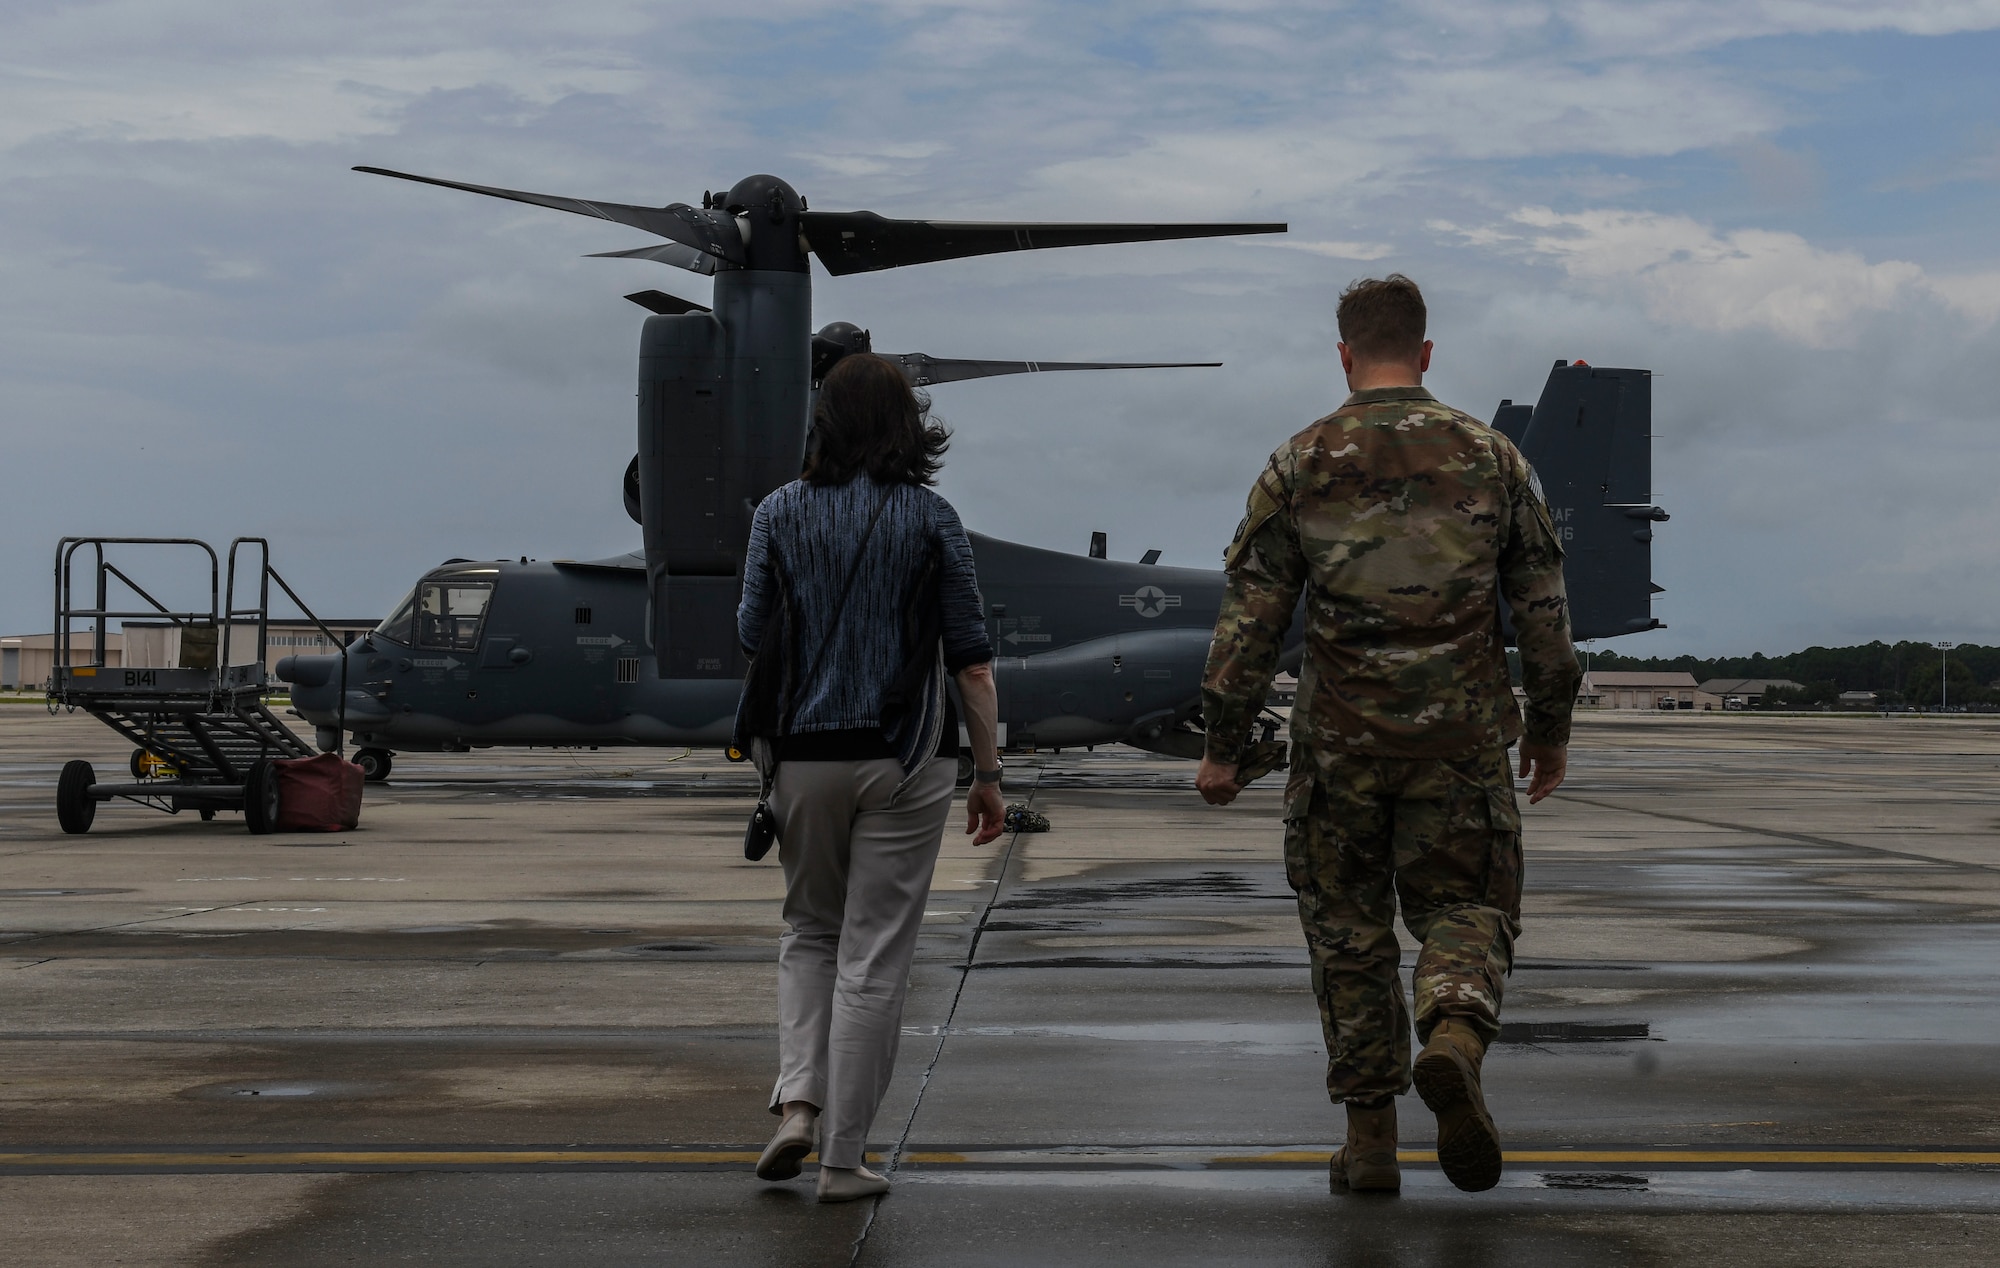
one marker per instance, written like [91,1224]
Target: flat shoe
[788,1148]
[847,1184]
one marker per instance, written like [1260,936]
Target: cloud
[1778,177]
[295,97]
[1380,130]
[1686,273]
[1674,26]
[1335,250]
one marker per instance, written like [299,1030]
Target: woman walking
[859,599]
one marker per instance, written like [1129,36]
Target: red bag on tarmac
[318,794]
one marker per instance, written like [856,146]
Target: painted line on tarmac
[223,1159]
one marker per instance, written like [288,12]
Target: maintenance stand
[204,738]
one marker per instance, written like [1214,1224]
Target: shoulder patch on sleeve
[1267,498]
[1538,507]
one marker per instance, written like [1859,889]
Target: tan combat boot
[1367,1162]
[1447,1077]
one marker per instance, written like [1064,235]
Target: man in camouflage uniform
[1402,522]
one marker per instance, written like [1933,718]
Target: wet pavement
[524,1015]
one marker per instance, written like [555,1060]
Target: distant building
[1740,693]
[1857,700]
[26,660]
[1638,689]
[158,643]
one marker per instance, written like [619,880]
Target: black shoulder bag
[762,831]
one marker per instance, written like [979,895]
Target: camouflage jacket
[1403,521]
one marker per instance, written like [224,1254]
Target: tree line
[1900,674]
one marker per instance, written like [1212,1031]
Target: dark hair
[869,419]
[1382,319]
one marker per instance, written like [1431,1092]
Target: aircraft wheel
[965,769]
[260,798]
[75,807]
[374,764]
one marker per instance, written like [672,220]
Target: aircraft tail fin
[1589,440]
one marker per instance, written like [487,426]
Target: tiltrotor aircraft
[641,649]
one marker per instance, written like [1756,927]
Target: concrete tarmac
[524,1015]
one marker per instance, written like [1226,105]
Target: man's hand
[1216,782]
[1548,762]
[985,817]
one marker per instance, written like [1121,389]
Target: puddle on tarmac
[1203,885]
[1549,966]
[1218,960]
[1541,1032]
[264,1090]
[1615,1181]
[1286,1036]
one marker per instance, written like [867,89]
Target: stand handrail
[223,611]
[65,616]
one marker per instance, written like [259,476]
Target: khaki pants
[858,866]
[1442,838]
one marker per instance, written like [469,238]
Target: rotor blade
[664,304]
[713,232]
[922,369]
[862,242]
[681,257]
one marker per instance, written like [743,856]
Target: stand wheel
[75,807]
[260,798]
[965,770]
[207,814]
[146,764]
[374,764]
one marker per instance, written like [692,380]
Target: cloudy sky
[209,326]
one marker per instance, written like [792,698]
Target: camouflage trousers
[1442,837]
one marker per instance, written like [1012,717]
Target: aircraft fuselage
[1090,651]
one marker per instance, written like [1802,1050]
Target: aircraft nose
[307,671]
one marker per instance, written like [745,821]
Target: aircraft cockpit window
[450,613]
[398,627]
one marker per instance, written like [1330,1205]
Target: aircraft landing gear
[374,764]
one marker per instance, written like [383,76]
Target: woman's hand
[985,817]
